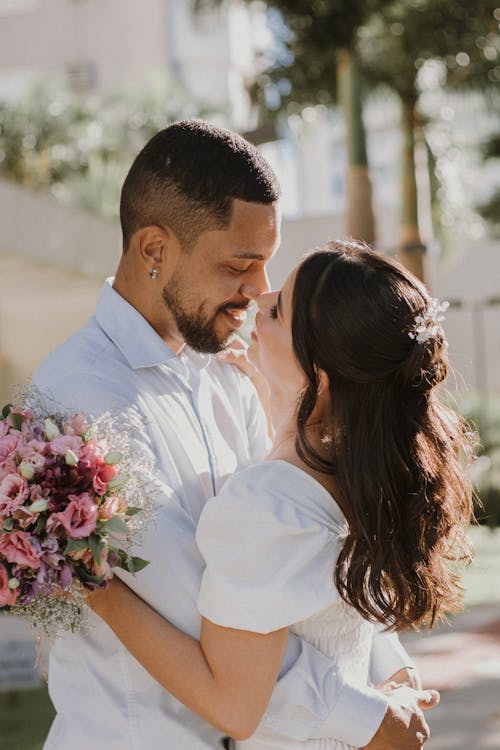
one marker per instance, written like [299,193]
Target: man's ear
[158,248]
[151,245]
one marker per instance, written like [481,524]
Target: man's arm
[314,700]
[390,661]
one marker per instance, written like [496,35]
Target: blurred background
[382,121]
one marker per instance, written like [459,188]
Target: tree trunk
[411,250]
[360,221]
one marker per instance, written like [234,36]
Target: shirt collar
[130,332]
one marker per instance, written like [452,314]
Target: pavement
[462,660]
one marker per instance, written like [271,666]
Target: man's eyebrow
[247,255]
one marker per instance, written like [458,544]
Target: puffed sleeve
[270,541]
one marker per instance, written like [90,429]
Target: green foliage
[484,415]
[402,36]
[80,147]
[25,719]
[308,37]
[491,209]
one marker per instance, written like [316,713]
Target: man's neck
[165,328]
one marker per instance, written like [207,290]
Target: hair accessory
[153,274]
[427,325]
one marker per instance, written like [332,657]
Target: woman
[351,519]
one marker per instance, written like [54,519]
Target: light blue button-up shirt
[203,421]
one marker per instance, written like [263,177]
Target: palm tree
[393,46]
[314,62]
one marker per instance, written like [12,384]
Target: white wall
[34,225]
[123,40]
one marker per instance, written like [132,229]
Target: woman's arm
[227,677]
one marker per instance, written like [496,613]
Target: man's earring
[153,274]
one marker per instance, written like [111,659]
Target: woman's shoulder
[278,487]
[269,540]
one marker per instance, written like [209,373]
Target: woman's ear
[323,384]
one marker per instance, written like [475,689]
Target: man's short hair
[187,176]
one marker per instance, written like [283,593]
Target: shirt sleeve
[268,563]
[313,701]
[388,656]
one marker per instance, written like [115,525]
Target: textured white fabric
[282,534]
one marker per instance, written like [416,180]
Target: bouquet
[68,499]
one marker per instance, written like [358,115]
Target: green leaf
[76,545]
[16,420]
[124,557]
[133,511]
[96,546]
[40,524]
[84,575]
[132,564]
[114,526]
[6,410]
[136,564]
[8,524]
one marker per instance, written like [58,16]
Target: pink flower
[111,507]
[8,445]
[103,568]
[4,428]
[61,445]
[7,596]
[103,475]
[79,518]
[35,460]
[13,492]
[25,517]
[17,548]
[75,425]
[28,448]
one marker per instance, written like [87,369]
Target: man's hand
[406,676]
[404,726]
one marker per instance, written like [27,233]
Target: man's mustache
[237,306]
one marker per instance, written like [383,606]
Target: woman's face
[271,349]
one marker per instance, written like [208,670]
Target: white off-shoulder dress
[270,540]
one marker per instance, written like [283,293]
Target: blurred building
[54,258]
[105,45]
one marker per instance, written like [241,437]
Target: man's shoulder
[83,371]
[79,353]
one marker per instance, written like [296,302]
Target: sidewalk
[462,661]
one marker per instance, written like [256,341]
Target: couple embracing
[280,572]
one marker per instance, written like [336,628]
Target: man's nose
[256,284]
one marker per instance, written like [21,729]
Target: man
[200,220]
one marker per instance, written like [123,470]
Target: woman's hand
[236,355]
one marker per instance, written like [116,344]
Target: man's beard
[197,330]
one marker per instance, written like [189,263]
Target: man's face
[214,283]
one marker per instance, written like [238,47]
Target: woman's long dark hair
[399,455]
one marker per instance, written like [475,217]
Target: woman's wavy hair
[399,455]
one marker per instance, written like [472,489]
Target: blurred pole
[479,350]
[360,219]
